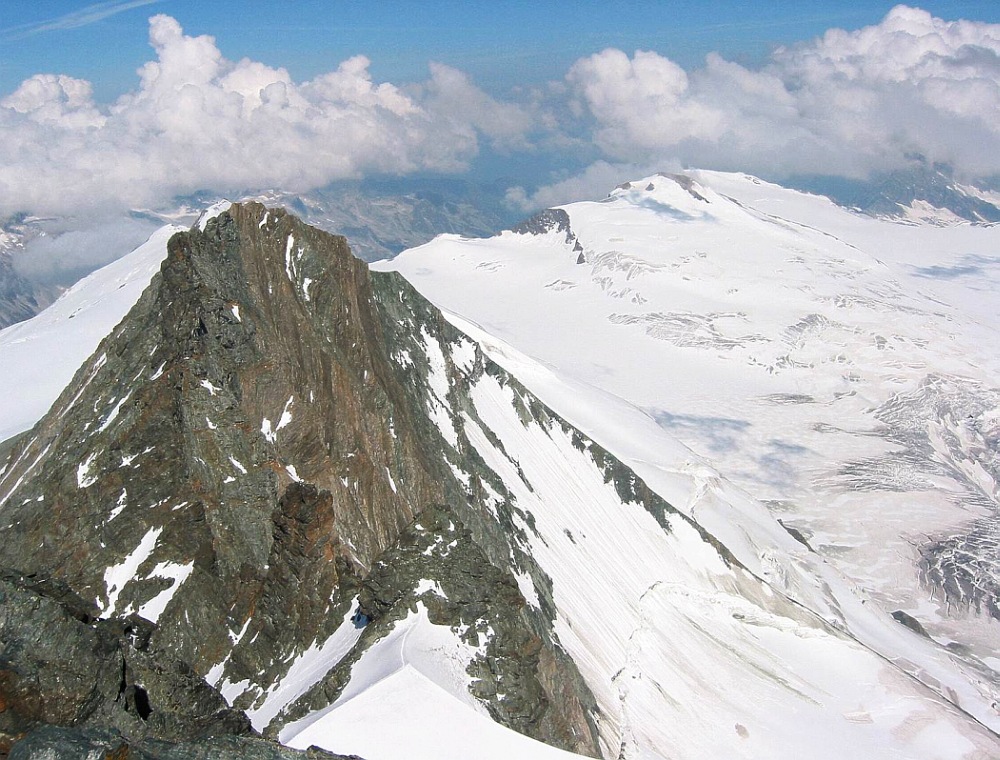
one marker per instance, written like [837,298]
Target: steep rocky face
[264,428]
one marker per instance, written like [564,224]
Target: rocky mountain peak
[233,462]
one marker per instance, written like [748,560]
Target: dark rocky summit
[549,220]
[253,453]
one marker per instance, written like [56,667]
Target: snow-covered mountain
[840,369]
[391,532]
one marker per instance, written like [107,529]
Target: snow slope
[40,356]
[411,691]
[837,368]
[688,653]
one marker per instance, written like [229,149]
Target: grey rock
[685,182]
[549,220]
[61,666]
[910,622]
[54,743]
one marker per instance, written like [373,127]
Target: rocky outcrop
[551,220]
[685,182]
[61,666]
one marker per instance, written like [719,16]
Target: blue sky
[500,44]
[128,102]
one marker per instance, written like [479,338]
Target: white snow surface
[120,575]
[40,356]
[439,387]
[172,571]
[406,714]
[307,670]
[675,645]
[408,697]
[762,328]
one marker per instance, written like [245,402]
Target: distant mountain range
[922,193]
[382,217]
[20,299]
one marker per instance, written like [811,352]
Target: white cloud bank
[592,183]
[198,120]
[843,104]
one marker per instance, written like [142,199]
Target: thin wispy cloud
[85,16]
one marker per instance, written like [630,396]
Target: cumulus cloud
[638,100]
[842,104]
[198,120]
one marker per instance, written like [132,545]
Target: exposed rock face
[686,182]
[17,297]
[60,666]
[255,446]
[549,220]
